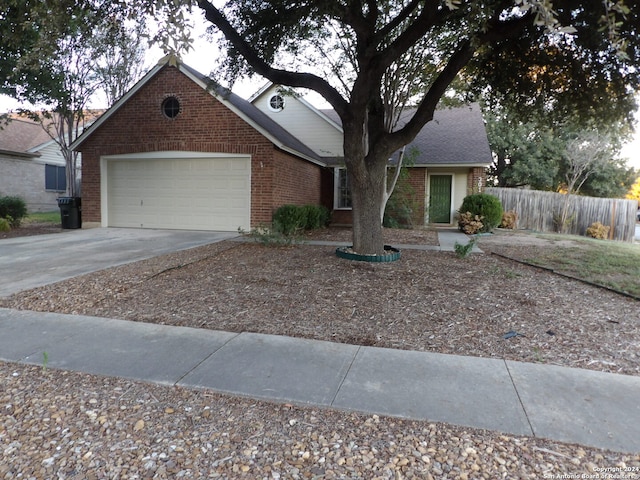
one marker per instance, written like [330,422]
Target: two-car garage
[176,190]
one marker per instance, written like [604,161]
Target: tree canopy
[59,55]
[579,58]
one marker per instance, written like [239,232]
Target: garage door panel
[181,193]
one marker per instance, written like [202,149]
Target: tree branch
[458,60]
[278,76]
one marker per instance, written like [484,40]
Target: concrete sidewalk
[564,404]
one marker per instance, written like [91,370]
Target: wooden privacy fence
[539,211]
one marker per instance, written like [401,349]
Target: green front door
[440,199]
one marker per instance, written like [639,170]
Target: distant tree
[525,154]
[634,191]
[59,55]
[534,154]
[121,65]
[585,154]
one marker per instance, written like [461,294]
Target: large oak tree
[522,48]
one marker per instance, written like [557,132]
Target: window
[55,178]
[342,192]
[276,103]
[171,107]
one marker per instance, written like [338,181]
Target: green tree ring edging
[392,255]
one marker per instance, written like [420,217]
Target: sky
[204,55]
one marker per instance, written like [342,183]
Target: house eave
[25,155]
[171,60]
[453,165]
[292,151]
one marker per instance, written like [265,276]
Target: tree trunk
[368,188]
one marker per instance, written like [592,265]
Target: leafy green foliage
[4,225]
[536,153]
[14,209]
[293,219]
[463,251]
[486,206]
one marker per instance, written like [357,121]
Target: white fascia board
[260,92]
[41,146]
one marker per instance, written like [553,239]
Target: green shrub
[14,209]
[486,206]
[289,219]
[463,251]
[292,219]
[316,216]
[4,225]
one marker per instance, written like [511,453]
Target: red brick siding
[476,180]
[203,125]
[417,180]
[342,217]
[295,181]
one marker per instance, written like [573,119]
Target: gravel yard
[58,424]
[73,426]
[427,301]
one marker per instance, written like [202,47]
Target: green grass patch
[611,264]
[43,217]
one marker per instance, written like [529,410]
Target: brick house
[178,151]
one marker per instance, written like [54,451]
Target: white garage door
[187,193]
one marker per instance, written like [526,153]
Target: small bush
[509,220]
[316,216]
[486,206]
[289,219]
[13,209]
[598,230]
[463,251]
[4,225]
[268,236]
[470,223]
[292,219]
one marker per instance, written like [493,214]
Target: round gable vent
[276,103]
[171,107]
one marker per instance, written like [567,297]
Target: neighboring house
[31,164]
[179,152]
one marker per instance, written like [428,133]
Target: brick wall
[476,180]
[203,125]
[416,180]
[22,177]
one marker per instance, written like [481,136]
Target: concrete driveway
[28,262]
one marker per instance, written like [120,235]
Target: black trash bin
[70,212]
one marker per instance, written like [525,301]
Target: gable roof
[455,137]
[244,109]
[22,137]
